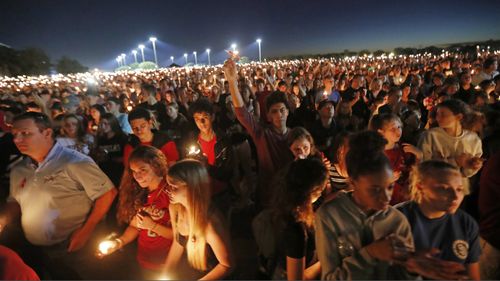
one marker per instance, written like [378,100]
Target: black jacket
[222,169]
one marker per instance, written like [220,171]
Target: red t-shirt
[12,267]
[400,162]
[152,249]
[169,150]
[208,150]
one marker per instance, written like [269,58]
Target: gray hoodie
[343,231]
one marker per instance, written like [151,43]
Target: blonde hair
[427,169]
[194,174]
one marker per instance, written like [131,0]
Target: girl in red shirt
[402,156]
[143,204]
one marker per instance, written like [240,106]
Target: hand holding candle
[108,246]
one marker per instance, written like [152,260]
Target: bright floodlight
[194,53]
[208,50]
[172,57]
[141,47]
[118,59]
[152,39]
[233,46]
[134,52]
[185,54]
[123,55]
[258,40]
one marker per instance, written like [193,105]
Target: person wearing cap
[71,103]
[324,128]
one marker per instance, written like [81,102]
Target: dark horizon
[95,32]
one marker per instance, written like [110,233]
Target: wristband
[119,242]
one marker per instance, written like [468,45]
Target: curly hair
[132,197]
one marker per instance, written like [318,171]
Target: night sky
[96,32]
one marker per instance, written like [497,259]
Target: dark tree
[364,52]
[34,61]
[66,65]
[31,61]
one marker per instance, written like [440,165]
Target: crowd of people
[355,168]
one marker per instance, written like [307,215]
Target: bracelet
[119,242]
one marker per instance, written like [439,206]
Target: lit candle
[193,150]
[106,245]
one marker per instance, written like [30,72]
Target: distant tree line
[34,61]
[460,47]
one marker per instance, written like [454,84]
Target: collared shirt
[56,195]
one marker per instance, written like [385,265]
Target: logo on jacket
[460,249]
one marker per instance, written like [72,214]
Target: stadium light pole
[186,57]
[153,40]
[124,59]
[208,53]
[119,61]
[172,59]
[195,58]
[142,51]
[233,46]
[260,51]
[135,55]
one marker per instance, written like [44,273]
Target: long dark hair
[80,130]
[100,108]
[113,123]
[302,179]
